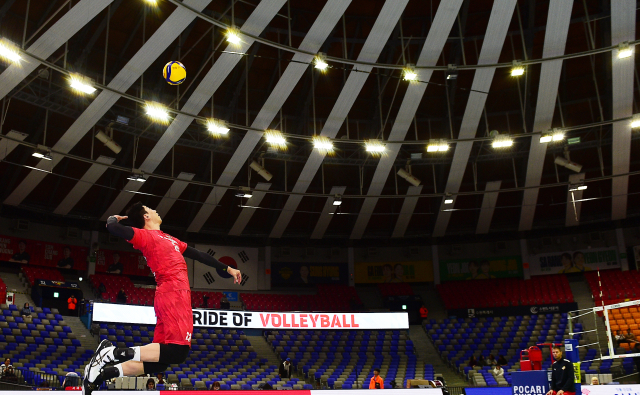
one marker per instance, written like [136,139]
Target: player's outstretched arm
[116,229]
[210,261]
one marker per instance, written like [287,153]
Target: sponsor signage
[393,272]
[480,269]
[578,261]
[33,252]
[59,284]
[514,310]
[107,312]
[619,389]
[244,259]
[231,296]
[301,273]
[535,382]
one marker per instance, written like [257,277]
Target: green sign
[478,269]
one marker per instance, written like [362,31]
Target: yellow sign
[393,272]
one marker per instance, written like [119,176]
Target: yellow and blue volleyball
[174,73]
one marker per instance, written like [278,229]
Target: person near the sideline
[562,380]
[172,303]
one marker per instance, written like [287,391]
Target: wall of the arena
[418,263]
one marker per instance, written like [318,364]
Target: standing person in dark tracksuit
[562,379]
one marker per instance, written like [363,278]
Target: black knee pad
[171,354]
[154,367]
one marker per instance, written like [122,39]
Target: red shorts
[175,319]
[566,393]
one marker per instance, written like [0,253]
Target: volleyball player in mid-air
[172,303]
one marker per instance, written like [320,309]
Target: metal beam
[327,213]
[623,28]
[436,39]
[88,179]
[68,25]
[318,33]
[501,15]
[376,41]
[573,212]
[149,52]
[6,145]
[488,206]
[174,192]
[406,212]
[258,20]
[555,39]
[247,212]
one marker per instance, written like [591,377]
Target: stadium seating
[346,359]
[40,347]
[328,298]
[216,355]
[457,339]
[33,273]
[617,286]
[505,292]
[395,289]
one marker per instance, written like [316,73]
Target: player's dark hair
[575,254]
[136,214]
[557,348]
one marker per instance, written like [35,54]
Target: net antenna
[594,311]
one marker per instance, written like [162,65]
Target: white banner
[574,261]
[244,259]
[618,389]
[145,315]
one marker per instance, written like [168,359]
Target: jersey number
[188,336]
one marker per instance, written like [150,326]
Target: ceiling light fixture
[276,139]
[448,198]
[9,51]
[244,192]
[320,61]
[554,135]
[81,84]
[374,147]
[624,50]
[452,72]
[157,112]
[635,121]
[337,200]
[409,73]
[42,152]
[152,2]
[502,141]
[217,126]
[322,143]
[517,70]
[577,187]
[233,36]
[137,175]
[437,146]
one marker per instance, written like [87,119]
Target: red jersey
[164,257]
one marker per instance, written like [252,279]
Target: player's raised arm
[116,229]
[210,261]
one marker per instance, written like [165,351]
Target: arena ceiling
[269,81]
